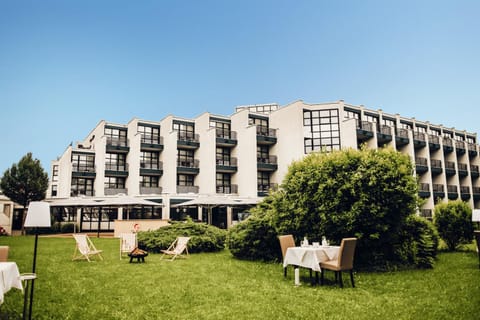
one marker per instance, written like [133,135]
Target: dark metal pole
[33,280]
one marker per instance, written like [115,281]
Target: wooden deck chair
[128,242]
[84,248]
[177,248]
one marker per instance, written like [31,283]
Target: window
[116,136]
[388,122]
[114,183]
[115,161]
[223,156]
[185,130]
[405,125]
[149,181]
[261,123]
[185,158]
[150,134]
[54,190]
[81,186]
[149,160]
[223,183]
[262,154]
[184,180]
[263,181]
[82,162]
[222,129]
[55,172]
[325,130]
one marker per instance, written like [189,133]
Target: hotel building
[244,155]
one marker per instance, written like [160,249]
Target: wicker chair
[344,262]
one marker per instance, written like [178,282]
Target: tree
[454,223]
[25,182]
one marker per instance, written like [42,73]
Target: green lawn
[217,286]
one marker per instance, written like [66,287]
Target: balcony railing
[419,136]
[187,189]
[366,126]
[117,142]
[152,165]
[269,160]
[150,190]
[232,162]
[421,161]
[116,167]
[424,187]
[188,163]
[188,136]
[83,168]
[433,139]
[426,213]
[387,130]
[114,191]
[225,134]
[403,133]
[266,132]
[151,139]
[438,187]
[233,188]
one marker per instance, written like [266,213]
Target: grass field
[217,286]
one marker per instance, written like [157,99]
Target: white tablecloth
[9,278]
[310,257]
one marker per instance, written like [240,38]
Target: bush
[67,228]
[454,223]
[419,243]
[203,237]
[254,239]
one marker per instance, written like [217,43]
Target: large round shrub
[254,239]
[454,223]
[203,237]
[367,194]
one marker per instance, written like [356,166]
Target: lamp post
[38,215]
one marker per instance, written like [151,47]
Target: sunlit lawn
[217,286]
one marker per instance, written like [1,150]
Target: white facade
[249,152]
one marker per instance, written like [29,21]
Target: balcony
[266,136]
[464,192]
[115,191]
[424,190]
[474,171]
[187,189]
[226,138]
[401,137]
[227,189]
[385,134]
[263,189]
[226,166]
[452,192]
[447,145]
[83,171]
[460,147]
[450,168]
[421,165]
[364,131]
[438,191]
[472,150]
[462,169]
[117,145]
[267,164]
[149,142]
[476,193]
[116,170]
[419,140]
[89,193]
[188,140]
[433,142]
[150,190]
[188,166]
[151,169]
[436,166]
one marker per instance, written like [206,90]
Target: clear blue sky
[66,65]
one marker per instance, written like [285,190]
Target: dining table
[310,256]
[9,278]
